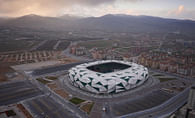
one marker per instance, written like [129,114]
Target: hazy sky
[183,9]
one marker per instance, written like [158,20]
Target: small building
[192,73]
[183,70]
[155,64]
[164,66]
[172,68]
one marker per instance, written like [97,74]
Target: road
[50,96]
[56,45]
[164,109]
[47,107]
[144,102]
[17,91]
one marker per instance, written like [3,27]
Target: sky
[179,9]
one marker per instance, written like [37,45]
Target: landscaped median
[84,105]
[76,100]
[162,77]
[47,79]
[51,77]
[87,107]
[43,81]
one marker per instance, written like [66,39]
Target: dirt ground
[5,68]
[62,93]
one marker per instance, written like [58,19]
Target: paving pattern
[148,101]
[17,91]
[47,107]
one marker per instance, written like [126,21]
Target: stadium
[109,76]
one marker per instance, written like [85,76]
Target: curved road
[164,109]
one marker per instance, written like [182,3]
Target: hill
[109,22]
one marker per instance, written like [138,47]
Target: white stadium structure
[109,76]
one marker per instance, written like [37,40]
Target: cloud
[48,7]
[44,7]
[177,11]
[88,8]
[180,9]
[181,13]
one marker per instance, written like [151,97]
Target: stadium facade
[109,76]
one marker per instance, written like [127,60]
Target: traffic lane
[12,84]
[19,97]
[47,107]
[15,92]
[11,88]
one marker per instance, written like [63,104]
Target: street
[17,91]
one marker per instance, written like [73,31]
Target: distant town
[172,55]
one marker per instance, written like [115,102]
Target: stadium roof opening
[108,67]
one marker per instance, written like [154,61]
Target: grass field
[76,100]
[51,77]
[42,80]
[164,79]
[157,75]
[14,45]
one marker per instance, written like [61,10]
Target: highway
[17,91]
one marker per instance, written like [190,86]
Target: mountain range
[109,23]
